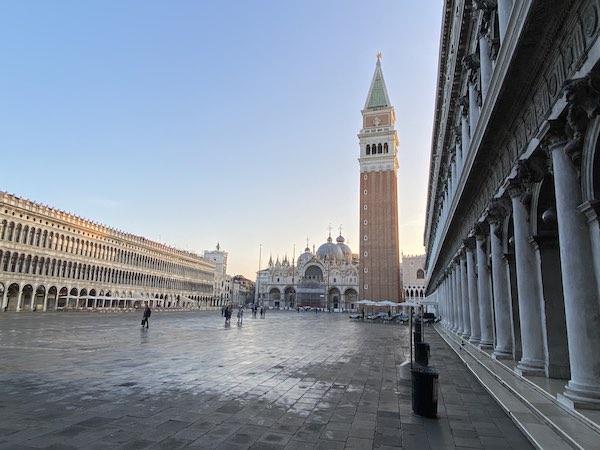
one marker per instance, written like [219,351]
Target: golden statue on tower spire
[378,56]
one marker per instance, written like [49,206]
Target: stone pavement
[291,380]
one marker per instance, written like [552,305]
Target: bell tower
[379,247]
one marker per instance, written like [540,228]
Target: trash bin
[422,353]
[424,390]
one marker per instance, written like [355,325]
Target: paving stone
[188,382]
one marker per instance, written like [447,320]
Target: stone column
[458,297]
[450,296]
[455,323]
[45,307]
[581,296]
[591,210]
[453,177]
[451,314]
[485,64]
[465,137]
[475,337]
[466,317]
[484,289]
[473,105]
[471,64]
[497,212]
[443,302]
[504,10]
[20,299]
[530,302]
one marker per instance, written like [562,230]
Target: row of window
[377,148]
[38,237]
[51,267]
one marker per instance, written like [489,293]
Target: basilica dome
[304,257]
[330,251]
[345,249]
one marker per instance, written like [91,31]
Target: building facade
[52,260]
[242,290]
[378,227]
[326,279]
[223,283]
[512,232]
[413,277]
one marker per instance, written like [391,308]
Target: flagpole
[258,274]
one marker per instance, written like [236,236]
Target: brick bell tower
[379,247]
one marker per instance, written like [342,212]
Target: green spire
[378,96]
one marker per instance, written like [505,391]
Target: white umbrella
[365,302]
[387,303]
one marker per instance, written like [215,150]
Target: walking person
[146,316]
[240,315]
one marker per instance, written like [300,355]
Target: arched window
[368,149]
[385,148]
[379,148]
[420,274]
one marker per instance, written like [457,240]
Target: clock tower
[379,273]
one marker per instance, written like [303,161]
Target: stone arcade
[512,232]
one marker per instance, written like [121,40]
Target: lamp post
[258,276]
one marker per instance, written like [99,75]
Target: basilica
[324,279]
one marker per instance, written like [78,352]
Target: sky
[193,123]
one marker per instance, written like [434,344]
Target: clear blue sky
[196,122]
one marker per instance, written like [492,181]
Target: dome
[304,257]
[330,251]
[345,249]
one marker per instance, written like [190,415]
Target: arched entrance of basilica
[290,297]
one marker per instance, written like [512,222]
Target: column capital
[481,230]
[485,5]
[554,134]
[515,187]
[469,244]
[497,210]
[533,169]
[471,62]
[583,100]
[591,210]
[463,101]
[457,135]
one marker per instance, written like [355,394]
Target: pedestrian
[240,315]
[146,316]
